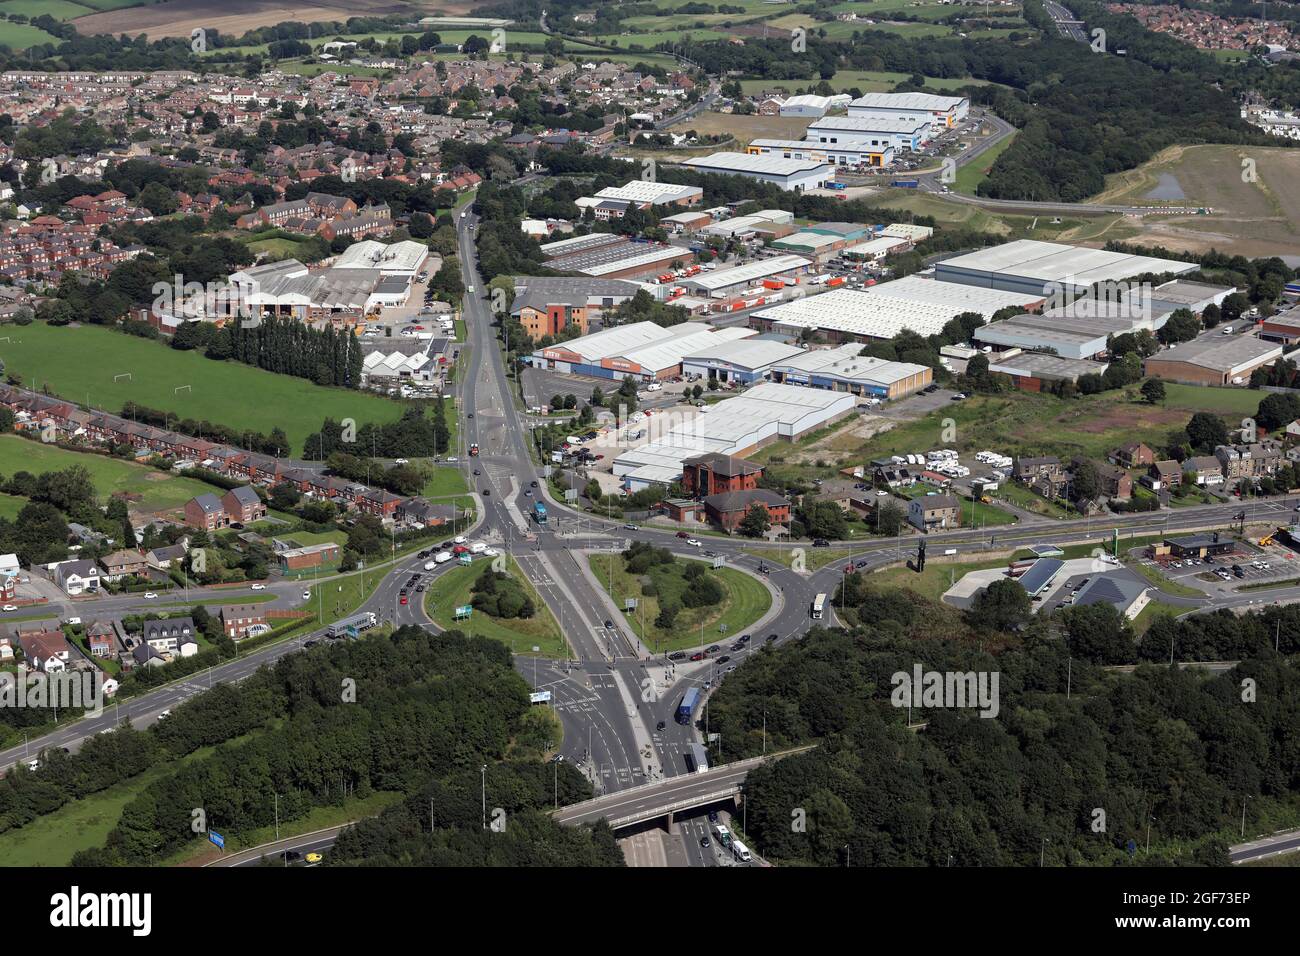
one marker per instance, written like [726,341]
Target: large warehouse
[724,282]
[842,369]
[621,259]
[792,175]
[1073,336]
[1043,268]
[864,153]
[1213,361]
[745,361]
[737,426]
[884,310]
[943,112]
[643,350]
[899,132]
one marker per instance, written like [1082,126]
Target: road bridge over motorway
[663,798]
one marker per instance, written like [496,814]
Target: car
[710,554]
[726,657]
[821,543]
[291,856]
[693,542]
[677,656]
[163,715]
[403,598]
[477,472]
[705,841]
[697,656]
[861,564]
[528,492]
[533,484]
[452,459]
[959,397]
[311,643]
[632,527]
[306,595]
[11,607]
[661,725]
[682,534]
[762,569]
[609,624]
[313,857]
[459,539]
[772,638]
[150,596]
[258,587]
[745,638]
[487,492]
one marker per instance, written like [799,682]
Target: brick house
[1134,454]
[243,504]
[205,511]
[46,651]
[119,564]
[727,509]
[1165,475]
[238,619]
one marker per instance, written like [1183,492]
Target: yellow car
[312,858]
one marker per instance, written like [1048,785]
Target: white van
[654,387]
[478,547]
[442,557]
[740,851]
[1227,330]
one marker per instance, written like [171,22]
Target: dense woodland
[412,713]
[1069,737]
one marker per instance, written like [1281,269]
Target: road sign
[571,494]
[217,838]
[718,562]
[629,604]
[464,611]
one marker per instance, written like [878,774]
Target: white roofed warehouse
[764,414]
[792,175]
[1033,267]
[842,369]
[744,361]
[945,112]
[643,350]
[884,310]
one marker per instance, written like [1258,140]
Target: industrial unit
[884,310]
[620,259]
[1042,268]
[725,282]
[1074,337]
[865,153]
[899,132]
[1032,371]
[737,426]
[547,306]
[944,112]
[643,350]
[792,175]
[810,104]
[745,361]
[842,369]
[1226,361]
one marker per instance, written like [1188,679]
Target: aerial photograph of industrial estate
[761,434]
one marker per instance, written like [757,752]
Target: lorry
[354,624]
[539,512]
[473,448]
[906,183]
[686,709]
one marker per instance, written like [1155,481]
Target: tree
[1153,390]
[756,522]
[1085,483]
[889,518]
[1206,431]
[1002,606]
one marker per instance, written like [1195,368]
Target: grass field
[83,364]
[158,491]
[453,589]
[58,9]
[10,505]
[20,36]
[444,483]
[971,175]
[745,602]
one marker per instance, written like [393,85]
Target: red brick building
[713,474]
[205,511]
[727,510]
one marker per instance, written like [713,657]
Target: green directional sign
[464,611]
